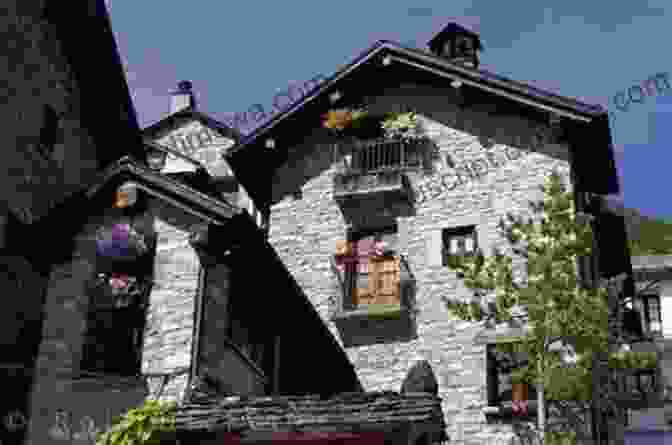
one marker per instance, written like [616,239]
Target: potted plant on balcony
[402,126]
[356,122]
[118,290]
[121,242]
[519,391]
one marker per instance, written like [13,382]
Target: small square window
[458,241]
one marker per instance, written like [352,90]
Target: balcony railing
[379,155]
[375,166]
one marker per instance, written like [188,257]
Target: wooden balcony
[375,167]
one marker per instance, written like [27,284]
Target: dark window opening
[113,342]
[458,241]
[49,133]
[501,365]
[254,341]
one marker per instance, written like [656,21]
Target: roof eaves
[169,119]
[538,97]
[220,208]
[338,75]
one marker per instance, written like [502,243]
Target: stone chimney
[182,98]
[457,44]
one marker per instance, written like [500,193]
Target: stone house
[60,128]
[487,143]
[171,320]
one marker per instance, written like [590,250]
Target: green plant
[560,438]
[141,426]
[550,299]
[401,126]
[520,375]
[633,360]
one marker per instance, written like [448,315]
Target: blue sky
[241,53]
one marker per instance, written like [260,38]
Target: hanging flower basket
[121,242]
[118,290]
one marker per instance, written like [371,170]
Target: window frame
[493,384]
[257,348]
[645,310]
[352,273]
[92,355]
[460,233]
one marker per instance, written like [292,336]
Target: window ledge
[383,311]
[505,411]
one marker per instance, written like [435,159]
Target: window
[113,342]
[49,132]
[253,341]
[458,241]
[118,296]
[500,386]
[650,309]
[373,278]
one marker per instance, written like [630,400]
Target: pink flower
[118,281]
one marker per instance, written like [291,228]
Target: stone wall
[167,338]
[508,161]
[190,137]
[57,383]
[36,75]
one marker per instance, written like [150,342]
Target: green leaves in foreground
[141,426]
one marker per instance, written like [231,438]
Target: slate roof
[429,61]
[169,120]
[369,411]
[587,125]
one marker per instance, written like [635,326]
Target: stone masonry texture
[35,74]
[513,160]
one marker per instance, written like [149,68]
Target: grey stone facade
[513,161]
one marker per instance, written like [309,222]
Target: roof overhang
[215,211]
[588,120]
[171,120]
[350,415]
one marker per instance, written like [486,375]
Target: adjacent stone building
[485,146]
[67,113]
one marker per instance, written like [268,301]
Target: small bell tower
[457,44]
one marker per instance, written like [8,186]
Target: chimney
[182,98]
[457,44]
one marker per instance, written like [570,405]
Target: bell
[126,195]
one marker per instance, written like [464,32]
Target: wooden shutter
[364,286]
[434,247]
[385,276]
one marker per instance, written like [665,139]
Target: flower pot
[121,242]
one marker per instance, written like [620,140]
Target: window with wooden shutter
[386,273]
[376,277]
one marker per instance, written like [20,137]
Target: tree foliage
[550,299]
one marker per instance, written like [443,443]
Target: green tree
[652,237]
[550,300]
